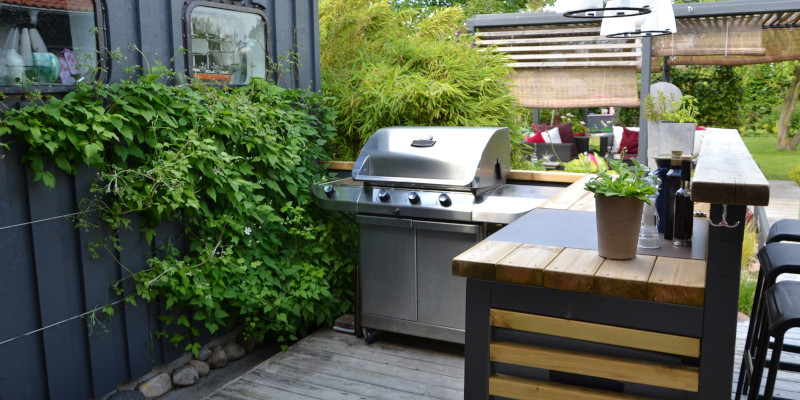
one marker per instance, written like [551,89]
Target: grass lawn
[774,164]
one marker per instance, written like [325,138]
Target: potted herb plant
[671,123]
[620,194]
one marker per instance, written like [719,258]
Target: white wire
[58,323]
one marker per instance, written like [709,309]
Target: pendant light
[661,21]
[602,9]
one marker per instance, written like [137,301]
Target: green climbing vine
[231,165]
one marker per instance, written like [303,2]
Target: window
[228,44]
[47,42]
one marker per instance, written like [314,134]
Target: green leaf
[64,164]
[37,133]
[91,151]
[49,180]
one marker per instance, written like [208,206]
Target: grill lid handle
[424,142]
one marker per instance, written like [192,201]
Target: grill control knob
[329,190]
[413,198]
[444,200]
[383,195]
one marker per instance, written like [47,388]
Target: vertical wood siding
[47,274]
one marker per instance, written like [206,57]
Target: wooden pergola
[562,62]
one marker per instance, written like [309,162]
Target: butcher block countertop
[662,279]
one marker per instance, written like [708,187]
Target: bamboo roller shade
[560,67]
[576,87]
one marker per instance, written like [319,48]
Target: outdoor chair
[782,303]
[784,230]
[776,258]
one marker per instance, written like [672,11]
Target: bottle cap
[676,157]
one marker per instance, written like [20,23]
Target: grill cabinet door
[388,274]
[442,296]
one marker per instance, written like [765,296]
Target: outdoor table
[548,317]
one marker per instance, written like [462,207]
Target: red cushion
[537,138]
[630,140]
[565,131]
[541,128]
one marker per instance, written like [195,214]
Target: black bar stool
[776,258]
[782,304]
[784,230]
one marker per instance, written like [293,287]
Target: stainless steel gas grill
[423,195]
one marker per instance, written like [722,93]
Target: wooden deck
[784,201]
[333,365]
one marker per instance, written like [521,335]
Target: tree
[785,141]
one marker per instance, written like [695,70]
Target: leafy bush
[659,107]
[747,284]
[233,167]
[718,90]
[795,174]
[384,67]
[765,86]
[586,163]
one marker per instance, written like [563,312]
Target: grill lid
[456,158]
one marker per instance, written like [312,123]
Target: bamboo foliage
[384,67]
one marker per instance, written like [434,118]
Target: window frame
[187,33]
[101,41]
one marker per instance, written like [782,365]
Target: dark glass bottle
[684,207]
[662,163]
[673,184]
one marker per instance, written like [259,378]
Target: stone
[127,395]
[218,358]
[249,345]
[155,386]
[234,351]
[185,375]
[203,354]
[201,367]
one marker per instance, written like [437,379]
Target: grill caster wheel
[369,335]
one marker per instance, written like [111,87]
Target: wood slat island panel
[596,365]
[596,333]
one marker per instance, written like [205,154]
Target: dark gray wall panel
[304,49]
[283,28]
[123,31]
[18,301]
[99,272]
[136,319]
[59,283]
[155,29]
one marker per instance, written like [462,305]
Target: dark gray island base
[547,318]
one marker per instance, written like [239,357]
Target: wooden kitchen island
[547,318]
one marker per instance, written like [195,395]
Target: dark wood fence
[48,278]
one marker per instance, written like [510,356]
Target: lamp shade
[597,9]
[661,21]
